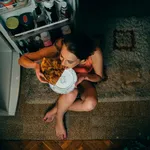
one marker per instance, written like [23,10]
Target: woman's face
[68,59]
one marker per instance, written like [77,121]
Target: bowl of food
[60,80]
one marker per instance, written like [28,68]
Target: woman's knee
[90,103]
[72,95]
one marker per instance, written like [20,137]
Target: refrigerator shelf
[24,33]
[14,7]
[35,31]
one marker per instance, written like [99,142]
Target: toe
[44,119]
[64,136]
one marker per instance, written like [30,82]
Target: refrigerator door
[73,5]
[12,44]
[9,78]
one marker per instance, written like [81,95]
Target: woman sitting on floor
[79,52]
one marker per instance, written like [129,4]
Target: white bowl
[66,82]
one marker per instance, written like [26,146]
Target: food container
[26,20]
[12,23]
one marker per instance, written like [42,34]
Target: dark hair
[80,45]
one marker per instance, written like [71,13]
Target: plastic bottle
[64,13]
[38,43]
[58,5]
[23,47]
[45,36]
[40,17]
[66,30]
[50,8]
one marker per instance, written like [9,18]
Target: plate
[66,82]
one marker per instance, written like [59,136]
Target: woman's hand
[80,78]
[39,75]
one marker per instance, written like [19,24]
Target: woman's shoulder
[96,52]
[96,55]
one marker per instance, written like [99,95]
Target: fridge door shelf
[13,7]
[30,7]
[38,30]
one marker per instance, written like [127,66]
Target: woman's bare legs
[66,102]
[88,99]
[50,115]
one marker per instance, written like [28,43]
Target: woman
[78,52]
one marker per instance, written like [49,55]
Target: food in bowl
[52,69]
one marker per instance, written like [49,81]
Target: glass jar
[45,36]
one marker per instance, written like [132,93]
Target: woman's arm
[28,60]
[97,60]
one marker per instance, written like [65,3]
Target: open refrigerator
[21,32]
[29,9]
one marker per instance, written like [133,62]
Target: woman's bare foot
[60,131]
[50,115]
